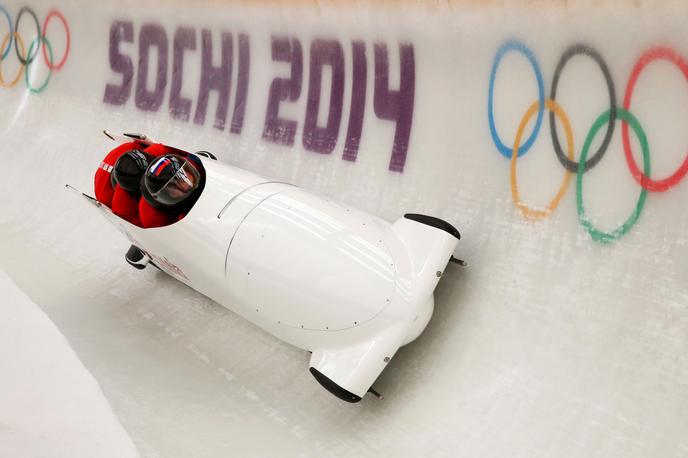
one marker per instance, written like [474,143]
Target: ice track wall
[552,134]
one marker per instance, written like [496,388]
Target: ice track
[551,343]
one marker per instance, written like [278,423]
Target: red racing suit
[102,182]
[131,207]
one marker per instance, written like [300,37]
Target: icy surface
[50,405]
[548,344]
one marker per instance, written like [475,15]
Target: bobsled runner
[345,285]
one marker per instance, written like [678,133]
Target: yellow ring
[525,210]
[21,69]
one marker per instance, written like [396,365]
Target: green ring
[37,41]
[598,235]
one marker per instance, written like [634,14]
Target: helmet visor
[180,186]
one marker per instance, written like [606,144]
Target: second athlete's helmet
[129,169]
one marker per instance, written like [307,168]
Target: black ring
[574,50]
[29,59]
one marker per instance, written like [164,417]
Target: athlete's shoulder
[118,151]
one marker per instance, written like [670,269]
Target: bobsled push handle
[90,199]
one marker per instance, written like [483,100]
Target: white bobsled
[347,286]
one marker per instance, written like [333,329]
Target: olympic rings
[594,55]
[50,72]
[642,178]
[29,58]
[523,49]
[38,41]
[609,117]
[555,109]
[21,69]
[9,23]
[596,234]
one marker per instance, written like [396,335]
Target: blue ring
[513,45]
[9,21]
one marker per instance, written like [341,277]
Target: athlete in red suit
[168,194]
[127,203]
[103,183]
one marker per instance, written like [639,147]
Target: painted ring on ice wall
[40,88]
[596,234]
[572,51]
[555,109]
[21,67]
[517,46]
[9,24]
[29,58]
[60,64]
[643,178]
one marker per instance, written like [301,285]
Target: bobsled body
[343,284]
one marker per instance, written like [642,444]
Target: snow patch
[50,405]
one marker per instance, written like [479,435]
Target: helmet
[129,169]
[169,181]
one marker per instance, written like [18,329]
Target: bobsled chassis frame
[342,284]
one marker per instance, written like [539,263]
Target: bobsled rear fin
[428,251]
[333,388]
[348,372]
[434,222]
[207,154]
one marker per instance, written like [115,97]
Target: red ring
[61,63]
[645,181]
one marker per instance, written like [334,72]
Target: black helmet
[129,169]
[169,181]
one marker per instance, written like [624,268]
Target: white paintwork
[299,256]
[343,284]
